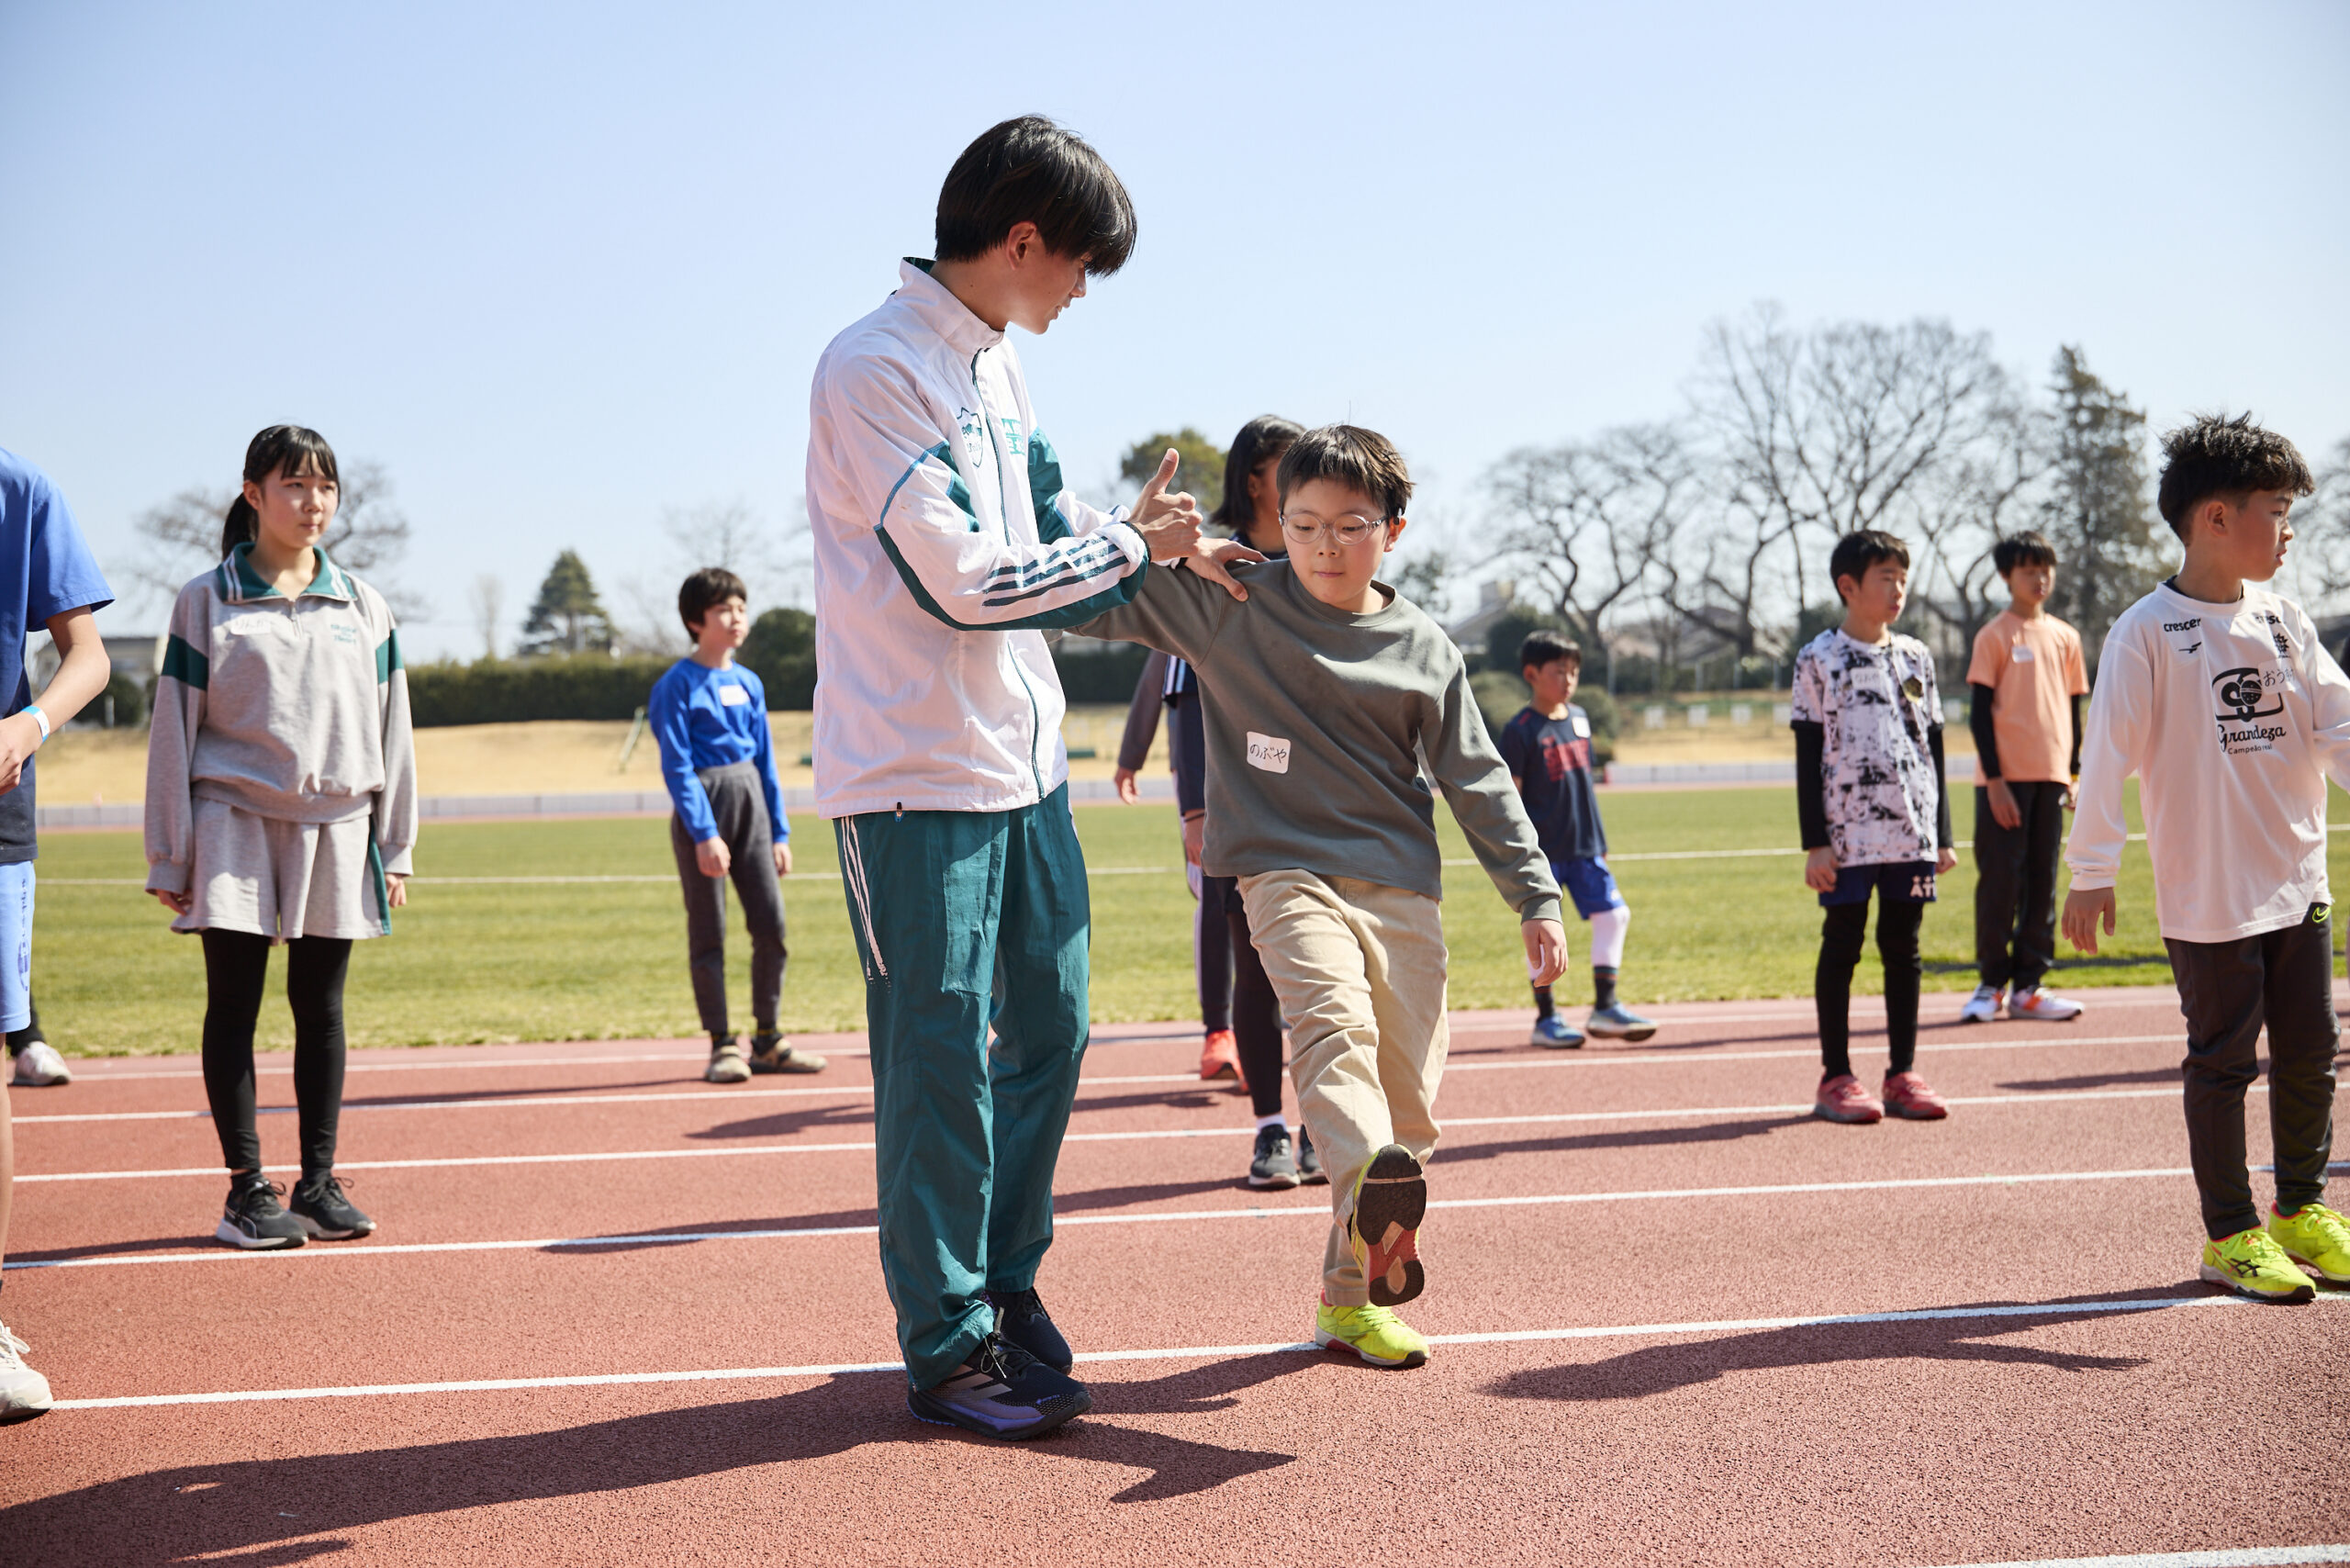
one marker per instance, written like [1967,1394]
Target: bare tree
[1588,520]
[488,599]
[1962,507]
[1821,433]
[2322,522]
[180,538]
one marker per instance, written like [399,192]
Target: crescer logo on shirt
[1269,752]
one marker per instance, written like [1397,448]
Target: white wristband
[41,718]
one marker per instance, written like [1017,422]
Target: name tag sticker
[2022,654]
[1268,752]
[1583,728]
[734,696]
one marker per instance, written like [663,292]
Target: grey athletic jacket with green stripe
[289,708]
[945,546]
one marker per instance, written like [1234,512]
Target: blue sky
[561,268]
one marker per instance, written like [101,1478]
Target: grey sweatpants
[739,808]
[2228,990]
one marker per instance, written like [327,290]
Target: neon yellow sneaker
[2317,1238]
[2251,1263]
[1375,1333]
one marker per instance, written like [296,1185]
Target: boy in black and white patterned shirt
[1876,816]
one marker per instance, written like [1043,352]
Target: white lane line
[1515,1063]
[1152,1216]
[1189,1352]
[665,879]
[2226,1557]
[1241,1130]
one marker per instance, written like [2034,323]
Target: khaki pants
[1360,969]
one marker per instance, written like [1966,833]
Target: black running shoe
[323,1211]
[1001,1390]
[1273,1165]
[1021,1318]
[253,1219]
[1309,1163]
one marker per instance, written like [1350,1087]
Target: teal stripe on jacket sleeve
[387,656]
[185,664]
[1084,609]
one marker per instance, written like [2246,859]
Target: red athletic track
[1950,1439]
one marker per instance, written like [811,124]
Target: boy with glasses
[1329,695]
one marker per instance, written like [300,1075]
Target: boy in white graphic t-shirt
[1875,814]
[2218,694]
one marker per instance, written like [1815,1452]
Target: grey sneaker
[727,1063]
[1984,1006]
[253,1219]
[1614,1022]
[1274,1164]
[24,1392]
[1309,1164]
[1002,1392]
[773,1053]
[322,1209]
[39,1065]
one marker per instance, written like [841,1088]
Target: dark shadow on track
[1454,1153]
[2101,1080]
[492,1096]
[626,1241]
[158,1244]
[783,1124]
[1684,1362]
[236,1507]
[1203,1098]
[1120,1197]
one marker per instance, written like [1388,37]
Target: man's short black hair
[1348,455]
[2029,548]
[710,587]
[2214,457]
[1857,553]
[1542,647]
[1031,171]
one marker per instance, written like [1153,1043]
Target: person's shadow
[272,1511]
[1683,1363]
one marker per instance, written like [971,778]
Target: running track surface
[1631,1251]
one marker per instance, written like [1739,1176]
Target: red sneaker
[1842,1099]
[1905,1094]
[1220,1057]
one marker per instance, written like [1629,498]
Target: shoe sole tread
[1390,1204]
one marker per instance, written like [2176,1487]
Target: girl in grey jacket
[281,809]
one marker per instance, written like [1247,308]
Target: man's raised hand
[1169,525]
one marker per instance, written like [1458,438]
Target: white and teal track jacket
[945,547]
[295,708]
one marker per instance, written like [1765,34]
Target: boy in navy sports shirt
[1548,749]
[709,715]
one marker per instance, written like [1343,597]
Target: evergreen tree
[568,617]
[2097,513]
[1201,472]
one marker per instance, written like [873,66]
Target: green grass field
[472,962]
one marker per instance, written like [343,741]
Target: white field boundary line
[2225,1556]
[1185,1353]
[692,1095]
[1241,1130]
[1153,1216]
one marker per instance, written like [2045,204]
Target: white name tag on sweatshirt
[734,696]
[2022,654]
[1268,752]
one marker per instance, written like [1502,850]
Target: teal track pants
[965,919]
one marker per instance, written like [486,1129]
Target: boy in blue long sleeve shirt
[710,716]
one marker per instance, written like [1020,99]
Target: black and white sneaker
[1021,1318]
[1273,1165]
[1309,1164]
[253,1219]
[322,1211]
[1001,1390]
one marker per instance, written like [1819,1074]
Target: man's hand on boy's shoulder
[1211,558]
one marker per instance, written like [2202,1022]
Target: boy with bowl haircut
[1547,750]
[709,716]
[2027,686]
[1874,815]
[2218,694]
[1327,694]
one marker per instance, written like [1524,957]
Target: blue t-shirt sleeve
[1513,747]
[60,573]
[669,715]
[763,755]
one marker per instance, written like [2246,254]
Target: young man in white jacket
[2218,694]
[945,547]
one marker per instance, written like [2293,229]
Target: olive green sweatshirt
[1324,729]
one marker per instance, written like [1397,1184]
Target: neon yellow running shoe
[1375,1333]
[2317,1238]
[2251,1263]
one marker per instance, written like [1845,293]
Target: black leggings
[1841,934]
[235,967]
[1256,1016]
[1212,952]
